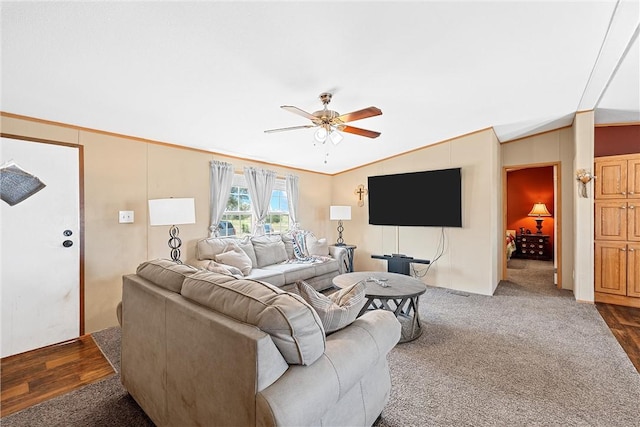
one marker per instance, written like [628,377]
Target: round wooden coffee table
[395,292]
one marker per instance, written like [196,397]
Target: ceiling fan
[330,122]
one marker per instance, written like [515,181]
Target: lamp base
[539,225]
[340,241]
[174,244]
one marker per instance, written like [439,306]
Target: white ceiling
[212,75]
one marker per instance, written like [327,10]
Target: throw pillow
[287,239]
[224,269]
[247,246]
[317,247]
[336,310]
[236,257]
[269,250]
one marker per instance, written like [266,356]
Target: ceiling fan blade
[289,128]
[358,131]
[296,110]
[360,114]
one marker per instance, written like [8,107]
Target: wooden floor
[35,376]
[624,323]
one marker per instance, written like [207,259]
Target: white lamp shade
[340,212]
[172,211]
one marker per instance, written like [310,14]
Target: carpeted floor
[527,356]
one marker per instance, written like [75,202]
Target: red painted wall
[612,140]
[524,188]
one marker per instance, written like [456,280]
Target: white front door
[40,288]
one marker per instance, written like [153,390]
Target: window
[238,217]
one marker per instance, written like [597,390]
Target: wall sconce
[172,212]
[584,177]
[361,192]
[539,210]
[340,213]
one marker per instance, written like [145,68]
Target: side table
[394,292]
[350,253]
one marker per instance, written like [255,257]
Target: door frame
[557,195]
[80,149]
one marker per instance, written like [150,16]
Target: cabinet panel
[633,179]
[633,270]
[611,181]
[611,267]
[611,220]
[633,221]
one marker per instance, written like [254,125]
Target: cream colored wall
[468,263]
[584,136]
[551,147]
[123,174]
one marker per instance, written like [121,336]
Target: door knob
[67,233]
[67,243]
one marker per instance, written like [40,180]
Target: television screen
[428,198]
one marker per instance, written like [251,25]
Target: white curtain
[260,183]
[292,198]
[221,180]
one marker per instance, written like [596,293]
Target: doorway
[41,289]
[532,217]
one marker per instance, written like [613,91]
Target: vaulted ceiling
[213,75]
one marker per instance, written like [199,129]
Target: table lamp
[172,212]
[539,210]
[340,213]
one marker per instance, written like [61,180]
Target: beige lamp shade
[172,211]
[340,213]
[539,209]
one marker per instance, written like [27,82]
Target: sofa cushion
[337,310]
[293,325]
[269,250]
[327,266]
[236,257]
[165,273]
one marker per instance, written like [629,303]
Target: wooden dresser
[617,230]
[533,246]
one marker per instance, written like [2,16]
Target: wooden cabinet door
[611,181]
[611,267]
[611,220]
[633,220]
[633,179]
[633,269]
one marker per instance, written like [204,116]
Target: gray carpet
[528,356]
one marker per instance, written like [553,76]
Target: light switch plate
[126,217]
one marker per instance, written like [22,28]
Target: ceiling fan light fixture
[320,135]
[336,137]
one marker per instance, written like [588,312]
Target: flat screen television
[427,198]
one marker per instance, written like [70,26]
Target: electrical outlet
[126,217]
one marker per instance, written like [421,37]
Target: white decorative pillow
[247,246]
[317,247]
[224,269]
[336,310]
[236,257]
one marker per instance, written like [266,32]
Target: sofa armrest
[342,256]
[351,353]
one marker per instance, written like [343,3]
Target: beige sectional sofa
[202,348]
[273,259]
